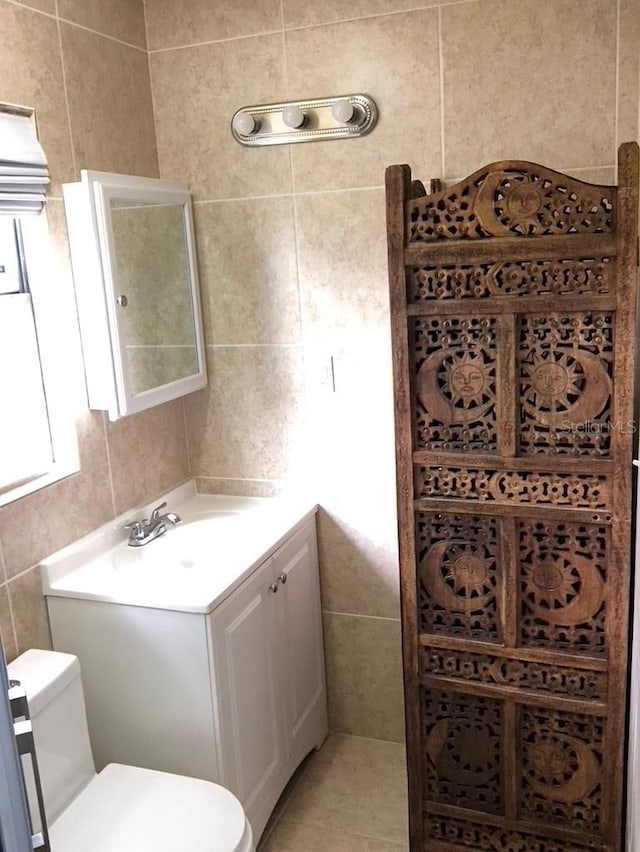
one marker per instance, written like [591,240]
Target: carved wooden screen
[513,315]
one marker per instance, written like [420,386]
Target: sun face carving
[468,573]
[465,379]
[551,584]
[552,385]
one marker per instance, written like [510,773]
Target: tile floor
[349,797]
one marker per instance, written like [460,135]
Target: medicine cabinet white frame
[91,242]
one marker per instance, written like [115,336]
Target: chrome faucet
[146,529]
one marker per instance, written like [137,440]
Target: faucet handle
[156,512]
[136,530]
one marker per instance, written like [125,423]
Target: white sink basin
[187,545]
[192,567]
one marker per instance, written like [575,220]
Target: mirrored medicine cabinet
[134,267]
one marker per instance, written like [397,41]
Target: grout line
[151,91]
[186,438]
[66,96]
[441,79]
[236,479]
[298,192]
[6,585]
[361,615]
[254,345]
[394,12]
[106,441]
[371,739]
[214,41]
[420,8]
[32,8]
[98,33]
[616,104]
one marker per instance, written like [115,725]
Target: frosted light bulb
[245,124]
[342,111]
[293,116]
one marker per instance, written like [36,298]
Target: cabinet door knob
[283,577]
[273,588]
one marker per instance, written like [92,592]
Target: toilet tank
[56,703]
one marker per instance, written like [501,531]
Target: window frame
[55,322]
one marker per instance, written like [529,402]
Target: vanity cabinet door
[245,643]
[304,694]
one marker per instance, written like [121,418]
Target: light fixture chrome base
[319,122]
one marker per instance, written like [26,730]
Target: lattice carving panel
[462,750]
[511,201]
[578,491]
[561,594]
[583,277]
[565,365]
[454,364]
[561,768]
[458,575]
[544,678]
[487,838]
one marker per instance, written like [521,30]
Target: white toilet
[123,808]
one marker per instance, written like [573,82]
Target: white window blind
[25,440]
[24,174]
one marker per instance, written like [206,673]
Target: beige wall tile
[343,289]
[628,71]
[196,92]
[291,836]
[248,423]
[43,522]
[538,83]
[395,59]
[300,13]
[29,612]
[174,23]
[364,676]
[605,176]
[110,104]
[247,262]
[356,786]
[122,19]
[31,75]
[358,567]
[148,454]
[239,487]
[7,633]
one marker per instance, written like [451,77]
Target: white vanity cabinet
[234,693]
[266,647]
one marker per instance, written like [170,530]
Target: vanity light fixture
[340,117]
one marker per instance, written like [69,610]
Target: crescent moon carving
[548,757]
[594,395]
[430,395]
[436,739]
[588,601]
[439,591]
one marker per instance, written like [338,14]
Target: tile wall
[83,65]
[292,242]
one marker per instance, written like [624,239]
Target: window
[37,436]
[25,437]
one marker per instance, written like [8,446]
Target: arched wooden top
[512,198]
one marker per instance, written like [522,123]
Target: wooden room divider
[513,301]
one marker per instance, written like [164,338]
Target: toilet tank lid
[43,674]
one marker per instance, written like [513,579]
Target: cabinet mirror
[134,267]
